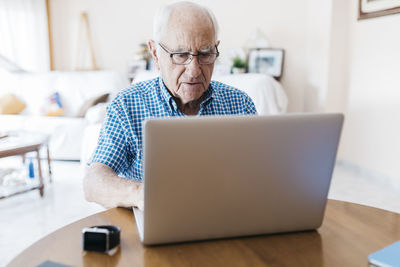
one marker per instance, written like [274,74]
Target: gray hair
[162,16]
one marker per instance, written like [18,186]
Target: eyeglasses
[184,58]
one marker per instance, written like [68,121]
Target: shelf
[7,191]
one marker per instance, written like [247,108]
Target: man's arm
[103,186]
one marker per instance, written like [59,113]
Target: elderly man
[184,50]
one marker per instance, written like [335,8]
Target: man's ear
[153,51]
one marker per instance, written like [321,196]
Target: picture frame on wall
[266,60]
[376,8]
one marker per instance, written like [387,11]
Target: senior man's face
[186,82]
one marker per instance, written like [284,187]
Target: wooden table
[20,144]
[349,233]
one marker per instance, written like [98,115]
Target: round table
[349,233]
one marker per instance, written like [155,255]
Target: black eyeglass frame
[171,54]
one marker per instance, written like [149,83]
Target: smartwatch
[103,239]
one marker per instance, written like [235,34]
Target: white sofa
[74,88]
[267,94]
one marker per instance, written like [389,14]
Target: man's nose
[193,68]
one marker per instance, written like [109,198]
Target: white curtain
[24,37]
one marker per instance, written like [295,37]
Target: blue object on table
[31,170]
[388,256]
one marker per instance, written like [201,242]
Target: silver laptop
[219,177]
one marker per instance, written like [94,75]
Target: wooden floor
[27,217]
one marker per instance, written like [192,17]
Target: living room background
[333,62]
[328,65]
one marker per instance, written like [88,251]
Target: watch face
[95,241]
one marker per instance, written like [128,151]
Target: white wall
[357,72]
[119,26]
[371,137]
[354,67]
[336,93]
[317,60]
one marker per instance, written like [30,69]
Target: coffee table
[14,144]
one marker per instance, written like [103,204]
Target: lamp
[257,40]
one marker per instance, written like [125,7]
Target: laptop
[220,177]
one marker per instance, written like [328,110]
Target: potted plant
[239,65]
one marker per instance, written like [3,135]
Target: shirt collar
[208,95]
[164,91]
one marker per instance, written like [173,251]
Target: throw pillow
[53,106]
[11,104]
[90,103]
[96,114]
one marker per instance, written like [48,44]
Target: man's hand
[103,186]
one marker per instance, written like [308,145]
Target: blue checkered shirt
[120,141]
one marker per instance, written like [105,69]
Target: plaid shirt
[120,141]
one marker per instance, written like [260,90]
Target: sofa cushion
[90,103]
[96,114]
[11,104]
